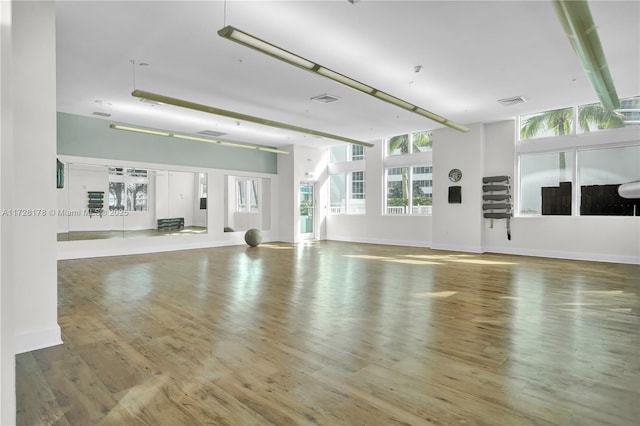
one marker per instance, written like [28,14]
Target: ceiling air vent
[512,101]
[325,99]
[211,133]
[101,114]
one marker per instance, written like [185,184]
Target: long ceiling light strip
[193,138]
[267,48]
[575,18]
[239,116]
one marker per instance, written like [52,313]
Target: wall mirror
[101,202]
[247,202]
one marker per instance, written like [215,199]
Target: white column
[34,155]
[7,327]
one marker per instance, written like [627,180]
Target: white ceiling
[472,53]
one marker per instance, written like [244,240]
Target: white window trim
[410,207]
[599,139]
[349,190]
[346,167]
[573,143]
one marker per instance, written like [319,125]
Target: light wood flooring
[335,333]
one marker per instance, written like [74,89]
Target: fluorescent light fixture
[431,115]
[264,47]
[395,101]
[325,72]
[248,40]
[140,130]
[194,138]
[575,18]
[456,126]
[239,116]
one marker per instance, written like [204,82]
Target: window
[410,143]
[578,168]
[357,152]
[549,123]
[398,145]
[587,118]
[342,153]
[409,190]
[347,187]
[422,141]
[347,192]
[546,183]
[247,191]
[338,154]
[338,193]
[600,173]
[356,202]
[397,190]
[408,178]
[630,110]
[128,189]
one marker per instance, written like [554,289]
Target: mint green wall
[91,137]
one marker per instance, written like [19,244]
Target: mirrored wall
[247,203]
[101,202]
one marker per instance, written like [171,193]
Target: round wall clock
[455,175]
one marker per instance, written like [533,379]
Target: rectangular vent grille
[512,101]
[211,133]
[325,99]
[101,114]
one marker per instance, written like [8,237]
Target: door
[307,211]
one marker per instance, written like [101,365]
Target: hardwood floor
[338,334]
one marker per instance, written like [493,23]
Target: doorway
[307,211]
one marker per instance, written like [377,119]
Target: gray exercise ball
[253,237]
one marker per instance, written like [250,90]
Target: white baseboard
[455,247]
[27,342]
[592,257]
[555,254]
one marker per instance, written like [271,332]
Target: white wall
[7,312]
[34,77]
[288,193]
[458,226]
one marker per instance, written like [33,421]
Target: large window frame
[573,146]
[578,119]
[409,143]
[346,152]
[352,192]
[410,157]
[347,170]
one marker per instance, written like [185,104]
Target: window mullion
[575,206]
[409,197]
[348,195]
